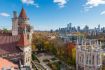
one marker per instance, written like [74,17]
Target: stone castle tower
[88,55]
[15,23]
[22,28]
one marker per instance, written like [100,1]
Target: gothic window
[28,36]
[87,60]
[28,58]
[97,59]
[93,59]
[80,59]
[90,59]
[28,29]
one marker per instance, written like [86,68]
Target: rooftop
[8,44]
[23,14]
[5,64]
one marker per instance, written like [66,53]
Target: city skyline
[54,14]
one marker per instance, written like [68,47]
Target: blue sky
[52,14]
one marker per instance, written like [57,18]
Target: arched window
[93,59]
[28,36]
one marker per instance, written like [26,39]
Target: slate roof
[23,41]
[8,44]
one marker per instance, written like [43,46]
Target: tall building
[16,46]
[78,29]
[69,25]
[88,55]
[86,29]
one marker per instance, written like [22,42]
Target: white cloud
[4,14]
[61,3]
[102,13]
[94,3]
[36,5]
[30,2]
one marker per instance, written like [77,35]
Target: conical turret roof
[23,14]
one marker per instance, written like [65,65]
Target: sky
[54,14]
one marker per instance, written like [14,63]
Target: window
[28,58]
[90,59]
[93,59]
[97,59]
[87,60]
[80,58]
[28,36]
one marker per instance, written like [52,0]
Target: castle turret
[24,30]
[23,19]
[24,25]
[15,23]
[25,46]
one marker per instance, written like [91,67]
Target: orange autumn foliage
[70,47]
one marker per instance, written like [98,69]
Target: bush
[53,59]
[34,57]
[54,66]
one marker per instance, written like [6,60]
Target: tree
[33,47]
[5,30]
[54,51]
[74,55]
[40,47]
[47,45]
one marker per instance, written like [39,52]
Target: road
[38,66]
[66,66]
